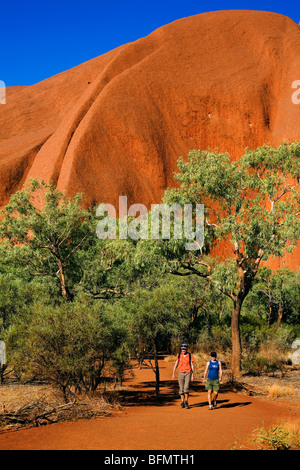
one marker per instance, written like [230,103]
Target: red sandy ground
[147,424]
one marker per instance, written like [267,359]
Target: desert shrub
[283,337]
[251,338]
[283,436]
[67,345]
[216,338]
[272,336]
[121,363]
[275,438]
[258,364]
[253,364]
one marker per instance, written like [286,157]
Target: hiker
[184,361]
[213,376]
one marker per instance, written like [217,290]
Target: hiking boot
[186,405]
[182,405]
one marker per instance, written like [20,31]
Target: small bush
[256,364]
[254,337]
[67,345]
[217,338]
[275,438]
[281,437]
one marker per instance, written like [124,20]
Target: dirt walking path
[148,424]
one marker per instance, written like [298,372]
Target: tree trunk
[270,313]
[64,392]
[62,280]
[2,370]
[156,367]
[246,281]
[236,339]
[280,314]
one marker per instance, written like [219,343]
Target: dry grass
[170,358]
[293,429]
[29,405]
[270,350]
[276,390]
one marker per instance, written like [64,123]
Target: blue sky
[42,38]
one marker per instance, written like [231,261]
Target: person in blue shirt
[213,378]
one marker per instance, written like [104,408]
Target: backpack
[179,354]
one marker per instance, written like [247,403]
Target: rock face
[117,124]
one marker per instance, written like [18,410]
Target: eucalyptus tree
[251,214]
[47,235]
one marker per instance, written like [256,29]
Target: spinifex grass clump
[281,437]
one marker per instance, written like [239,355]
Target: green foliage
[216,337]
[276,295]
[275,438]
[155,315]
[47,235]
[67,345]
[252,205]
[258,364]
[17,297]
[254,200]
[46,230]
[121,362]
[280,337]
[70,302]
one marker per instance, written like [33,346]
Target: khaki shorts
[184,382]
[212,384]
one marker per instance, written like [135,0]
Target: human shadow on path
[143,394]
[233,405]
[221,404]
[205,403]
